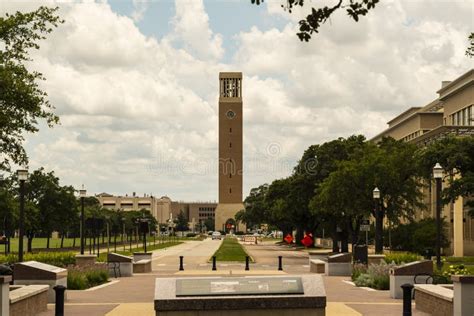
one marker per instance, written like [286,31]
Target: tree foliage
[318,16]
[181,222]
[22,102]
[456,156]
[470,48]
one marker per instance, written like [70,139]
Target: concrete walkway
[134,295]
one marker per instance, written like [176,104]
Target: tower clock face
[230,114]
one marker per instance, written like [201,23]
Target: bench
[142,266]
[406,274]
[339,265]
[434,299]
[28,300]
[317,266]
[120,265]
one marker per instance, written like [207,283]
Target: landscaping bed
[230,250]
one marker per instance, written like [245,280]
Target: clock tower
[230,152]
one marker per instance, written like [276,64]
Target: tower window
[230,190]
[230,145]
[230,175]
[230,130]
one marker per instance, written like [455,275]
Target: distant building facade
[162,208]
[452,113]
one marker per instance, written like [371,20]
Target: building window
[230,145]
[230,175]
[464,117]
[230,190]
[230,130]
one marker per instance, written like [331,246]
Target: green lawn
[55,243]
[127,252]
[230,250]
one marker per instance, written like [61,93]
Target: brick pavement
[134,295]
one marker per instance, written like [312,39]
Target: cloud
[191,29]
[139,113]
[139,9]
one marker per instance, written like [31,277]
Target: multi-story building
[163,208]
[452,113]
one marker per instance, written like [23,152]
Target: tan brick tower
[230,151]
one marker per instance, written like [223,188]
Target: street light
[378,222]
[82,194]
[438,176]
[22,176]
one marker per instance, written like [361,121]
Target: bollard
[407,288]
[280,263]
[247,267]
[181,266]
[59,309]
[214,268]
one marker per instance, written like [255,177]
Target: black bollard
[280,263]
[247,267]
[181,266]
[214,268]
[59,309]
[407,288]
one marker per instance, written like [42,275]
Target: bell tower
[230,151]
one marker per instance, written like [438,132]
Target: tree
[345,197]
[22,102]
[181,222]
[256,208]
[470,48]
[318,16]
[209,223]
[455,154]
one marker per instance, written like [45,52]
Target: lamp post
[82,194]
[22,176]
[378,222]
[438,175]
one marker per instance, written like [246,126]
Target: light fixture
[438,171]
[82,192]
[376,193]
[22,174]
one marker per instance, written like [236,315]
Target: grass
[81,278]
[127,252]
[230,250]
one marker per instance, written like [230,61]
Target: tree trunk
[62,240]
[29,243]
[74,241]
[47,240]
[299,235]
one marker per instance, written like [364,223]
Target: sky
[135,85]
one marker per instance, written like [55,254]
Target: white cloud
[140,114]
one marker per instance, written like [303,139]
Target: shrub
[80,278]
[239,233]
[357,270]
[191,235]
[459,269]
[401,257]
[376,276]
[59,259]
[417,236]
[364,280]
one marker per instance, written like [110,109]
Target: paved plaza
[134,295]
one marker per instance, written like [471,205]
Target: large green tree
[22,102]
[456,156]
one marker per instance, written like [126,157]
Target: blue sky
[137,97]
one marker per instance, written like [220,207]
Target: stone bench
[376,259]
[434,299]
[406,274]
[142,266]
[463,302]
[124,264]
[85,260]
[37,273]
[321,254]
[339,265]
[137,256]
[28,300]
[317,266]
[4,294]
